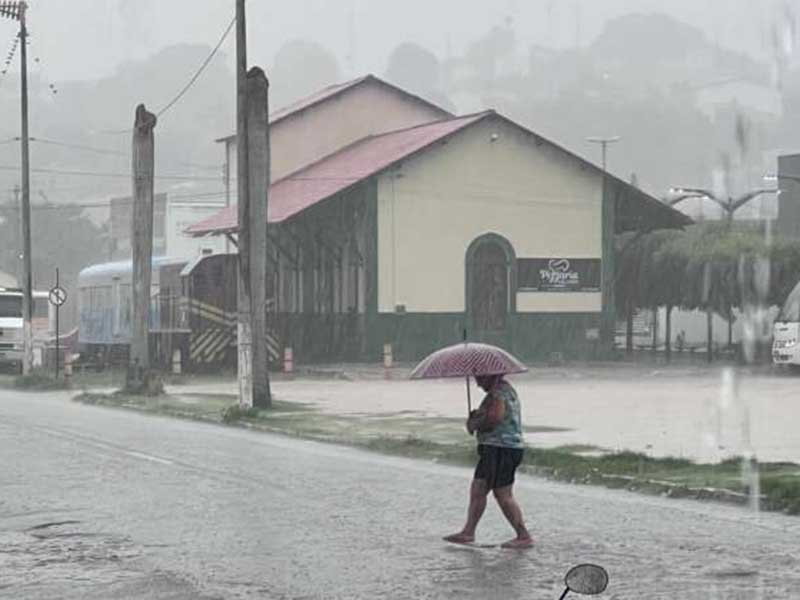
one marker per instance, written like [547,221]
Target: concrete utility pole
[138,376]
[17,235]
[226,180]
[244,325]
[16,12]
[259,166]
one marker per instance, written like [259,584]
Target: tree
[629,255]
[413,67]
[63,237]
[667,275]
[301,68]
[714,267]
[419,71]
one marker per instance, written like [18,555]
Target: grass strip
[443,440]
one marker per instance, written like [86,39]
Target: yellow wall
[545,203]
[322,129]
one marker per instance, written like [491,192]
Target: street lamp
[730,205]
[604,142]
[775,178]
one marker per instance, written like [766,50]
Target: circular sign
[58,296]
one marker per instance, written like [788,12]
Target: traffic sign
[58,296]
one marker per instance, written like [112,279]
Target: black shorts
[497,465]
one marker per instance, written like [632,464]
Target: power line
[191,82]
[108,204]
[200,70]
[100,151]
[77,147]
[110,175]
[9,58]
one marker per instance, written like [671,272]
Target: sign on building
[559,274]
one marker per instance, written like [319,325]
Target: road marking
[81,439]
[144,456]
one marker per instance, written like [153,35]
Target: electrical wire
[110,175]
[199,71]
[77,147]
[9,58]
[100,151]
[82,205]
[191,82]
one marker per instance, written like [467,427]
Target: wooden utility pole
[244,325]
[259,175]
[138,377]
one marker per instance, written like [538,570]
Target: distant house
[408,237]
[334,117]
[171,218]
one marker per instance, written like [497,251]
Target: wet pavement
[103,503]
[695,413]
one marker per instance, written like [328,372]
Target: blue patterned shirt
[508,433]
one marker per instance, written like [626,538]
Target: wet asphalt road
[100,503]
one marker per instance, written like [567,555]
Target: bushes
[235,413]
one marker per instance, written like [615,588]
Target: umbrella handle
[469,399]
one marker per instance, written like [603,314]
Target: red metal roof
[337,172]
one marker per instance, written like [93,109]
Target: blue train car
[192,309]
[105,306]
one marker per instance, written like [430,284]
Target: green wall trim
[530,337]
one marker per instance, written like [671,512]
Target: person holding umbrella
[498,425]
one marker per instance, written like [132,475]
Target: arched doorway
[491,287]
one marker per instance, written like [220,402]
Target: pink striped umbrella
[467,360]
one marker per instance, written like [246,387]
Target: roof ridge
[329,91]
[321,92]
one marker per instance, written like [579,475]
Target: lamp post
[774,178]
[729,205]
[604,142]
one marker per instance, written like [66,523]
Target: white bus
[785,333]
[11,323]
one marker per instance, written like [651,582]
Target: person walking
[498,425]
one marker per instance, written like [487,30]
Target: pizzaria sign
[558,274]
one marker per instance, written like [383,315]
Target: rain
[404,299]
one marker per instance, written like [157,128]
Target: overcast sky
[80,39]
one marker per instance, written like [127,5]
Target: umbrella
[465,360]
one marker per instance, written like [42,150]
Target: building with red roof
[410,235]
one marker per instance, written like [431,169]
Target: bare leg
[513,513]
[477,504]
